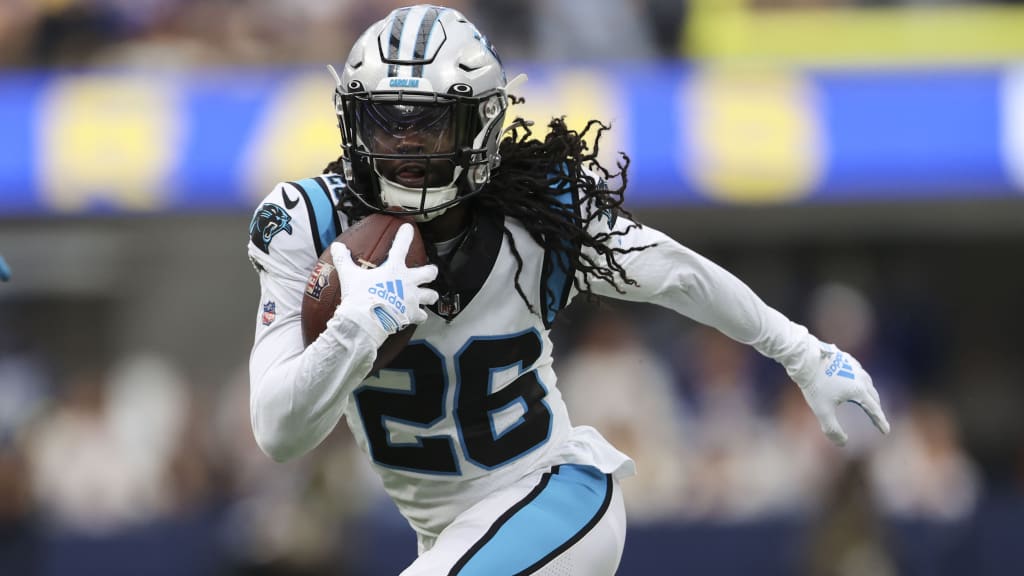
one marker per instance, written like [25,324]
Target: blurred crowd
[99,453]
[172,34]
[720,435]
[210,33]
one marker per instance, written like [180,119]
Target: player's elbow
[275,436]
[271,446]
[275,445]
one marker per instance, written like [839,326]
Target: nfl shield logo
[269,312]
[449,304]
[319,279]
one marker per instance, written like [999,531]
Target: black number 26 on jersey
[476,404]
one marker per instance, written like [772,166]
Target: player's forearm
[295,402]
[706,292]
[671,275]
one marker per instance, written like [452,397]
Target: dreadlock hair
[531,185]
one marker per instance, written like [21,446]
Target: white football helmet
[420,104]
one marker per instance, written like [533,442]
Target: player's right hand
[389,297]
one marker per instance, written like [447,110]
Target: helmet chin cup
[394,194]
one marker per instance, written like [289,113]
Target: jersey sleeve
[673,276]
[297,393]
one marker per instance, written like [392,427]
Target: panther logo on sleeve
[269,221]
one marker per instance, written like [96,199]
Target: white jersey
[472,404]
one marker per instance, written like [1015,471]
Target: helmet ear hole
[461,89]
[480,175]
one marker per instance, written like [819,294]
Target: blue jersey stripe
[571,501]
[324,218]
[559,268]
[556,284]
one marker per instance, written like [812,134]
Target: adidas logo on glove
[390,292]
[839,363]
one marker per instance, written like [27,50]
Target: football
[369,241]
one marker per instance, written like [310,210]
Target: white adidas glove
[832,377]
[389,297]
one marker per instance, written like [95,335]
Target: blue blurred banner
[109,142]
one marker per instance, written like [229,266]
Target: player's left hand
[838,377]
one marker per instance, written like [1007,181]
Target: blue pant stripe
[563,508]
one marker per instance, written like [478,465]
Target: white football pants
[567,521]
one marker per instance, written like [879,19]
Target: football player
[466,426]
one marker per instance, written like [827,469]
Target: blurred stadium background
[859,163]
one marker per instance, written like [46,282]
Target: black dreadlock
[530,186]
